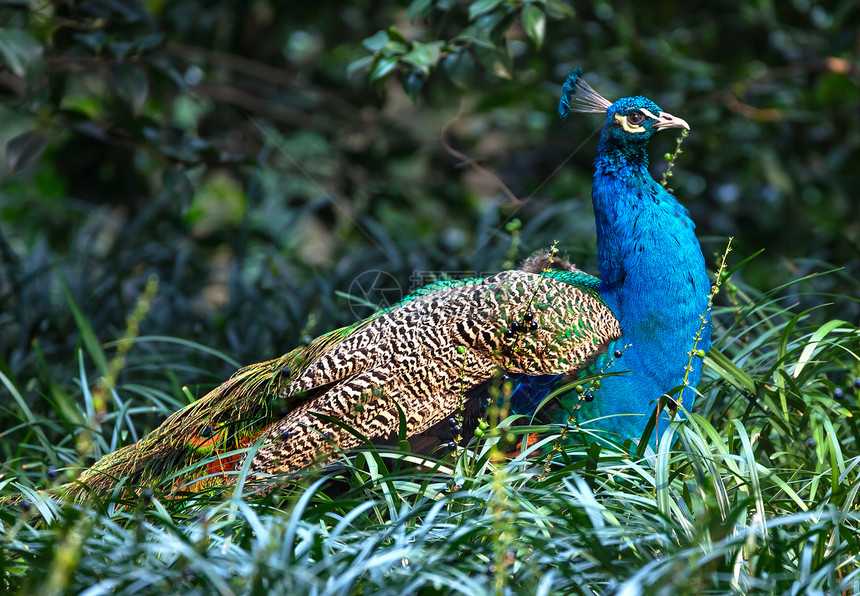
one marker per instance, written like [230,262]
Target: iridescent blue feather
[652,272]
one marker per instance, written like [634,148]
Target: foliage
[189,186]
[757,496]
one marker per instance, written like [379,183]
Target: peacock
[604,349]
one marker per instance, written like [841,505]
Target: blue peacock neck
[654,280]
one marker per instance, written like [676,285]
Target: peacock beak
[665,120]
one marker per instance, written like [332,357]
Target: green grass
[756,492]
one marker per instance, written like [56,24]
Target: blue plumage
[652,273]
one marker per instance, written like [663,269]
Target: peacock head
[630,121]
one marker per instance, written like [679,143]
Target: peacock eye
[635,118]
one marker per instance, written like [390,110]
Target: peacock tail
[228,418]
[366,374]
[436,352]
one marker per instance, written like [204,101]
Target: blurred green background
[262,159]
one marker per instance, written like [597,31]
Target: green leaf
[88,334]
[413,84]
[418,6]
[423,56]
[28,414]
[376,42]
[661,472]
[20,51]
[534,23]
[482,6]
[729,370]
[734,269]
[130,84]
[460,68]
[147,43]
[753,485]
[94,40]
[395,34]
[130,11]
[837,459]
[402,428]
[557,9]
[395,47]
[120,49]
[24,149]
[814,341]
[360,64]
[645,439]
[383,68]
[495,60]
[493,27]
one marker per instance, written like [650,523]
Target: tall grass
[754,492]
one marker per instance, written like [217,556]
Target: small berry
[579,389]
[457,428]
[528,317]
[618,353]
[461,349]
[513,225]
[596,383]
[515,326]
[700,353]
[838,393]
[26,504]
[452,422]
[452,445]
[509,332]
[51,473]
[533,326]
[667,157]
[588,397]
[479,432]
[811,443]
[715,290]
[483,425]
[733,288]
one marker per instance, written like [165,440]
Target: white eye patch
[632,128]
